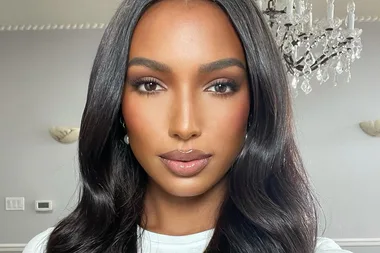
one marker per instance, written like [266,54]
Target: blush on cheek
[142,118]
[236,118]
[239,119]
[230,128]
[132,117]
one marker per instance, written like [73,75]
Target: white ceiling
[69,12]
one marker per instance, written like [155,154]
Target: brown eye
[150,86]
[147,86]
[221,88]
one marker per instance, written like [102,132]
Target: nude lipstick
[185,163]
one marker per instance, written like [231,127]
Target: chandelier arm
[291,66]
[340,45]
[289,63]
[311,47]
[300,60]
[283,39]
[303,57]
[324,58]
[299,68]
[320,62]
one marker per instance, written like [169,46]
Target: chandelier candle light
[312,49]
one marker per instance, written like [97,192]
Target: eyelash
[143,81]
[146,80]
[232,85]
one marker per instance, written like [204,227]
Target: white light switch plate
[44,205]
[14,204]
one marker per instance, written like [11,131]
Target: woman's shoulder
[325,245]
[38,243]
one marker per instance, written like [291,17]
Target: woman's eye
[148,86]
[222,88]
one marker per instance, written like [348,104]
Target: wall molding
[368,19]
[343,242]
[97,26]
[30,27]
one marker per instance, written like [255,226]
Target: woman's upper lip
[185,156]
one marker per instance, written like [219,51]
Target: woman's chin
[185,187]
[189,187]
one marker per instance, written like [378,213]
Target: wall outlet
[15,204]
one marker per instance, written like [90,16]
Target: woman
[186,139]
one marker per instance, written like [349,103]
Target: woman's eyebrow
[204,68]
[221,64]
[145,62]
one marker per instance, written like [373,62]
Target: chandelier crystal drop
[321,50]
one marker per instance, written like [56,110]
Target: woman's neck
[173,215]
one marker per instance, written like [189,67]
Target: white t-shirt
[157,243]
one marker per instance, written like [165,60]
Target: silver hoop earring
[122,122]
[246,136]
[126,139]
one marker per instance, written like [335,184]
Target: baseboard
[12,247]
[358,242]
[343,242]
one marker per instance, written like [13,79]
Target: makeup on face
[185,163]
[186,99]
[149,85]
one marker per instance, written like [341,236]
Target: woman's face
[186,91]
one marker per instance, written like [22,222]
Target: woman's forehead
[173,30]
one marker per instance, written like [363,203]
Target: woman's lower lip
[185,169]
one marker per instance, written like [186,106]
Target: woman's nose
[184,119]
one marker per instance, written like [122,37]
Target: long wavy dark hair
[269,206]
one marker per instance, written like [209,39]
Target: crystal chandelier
[318,49]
